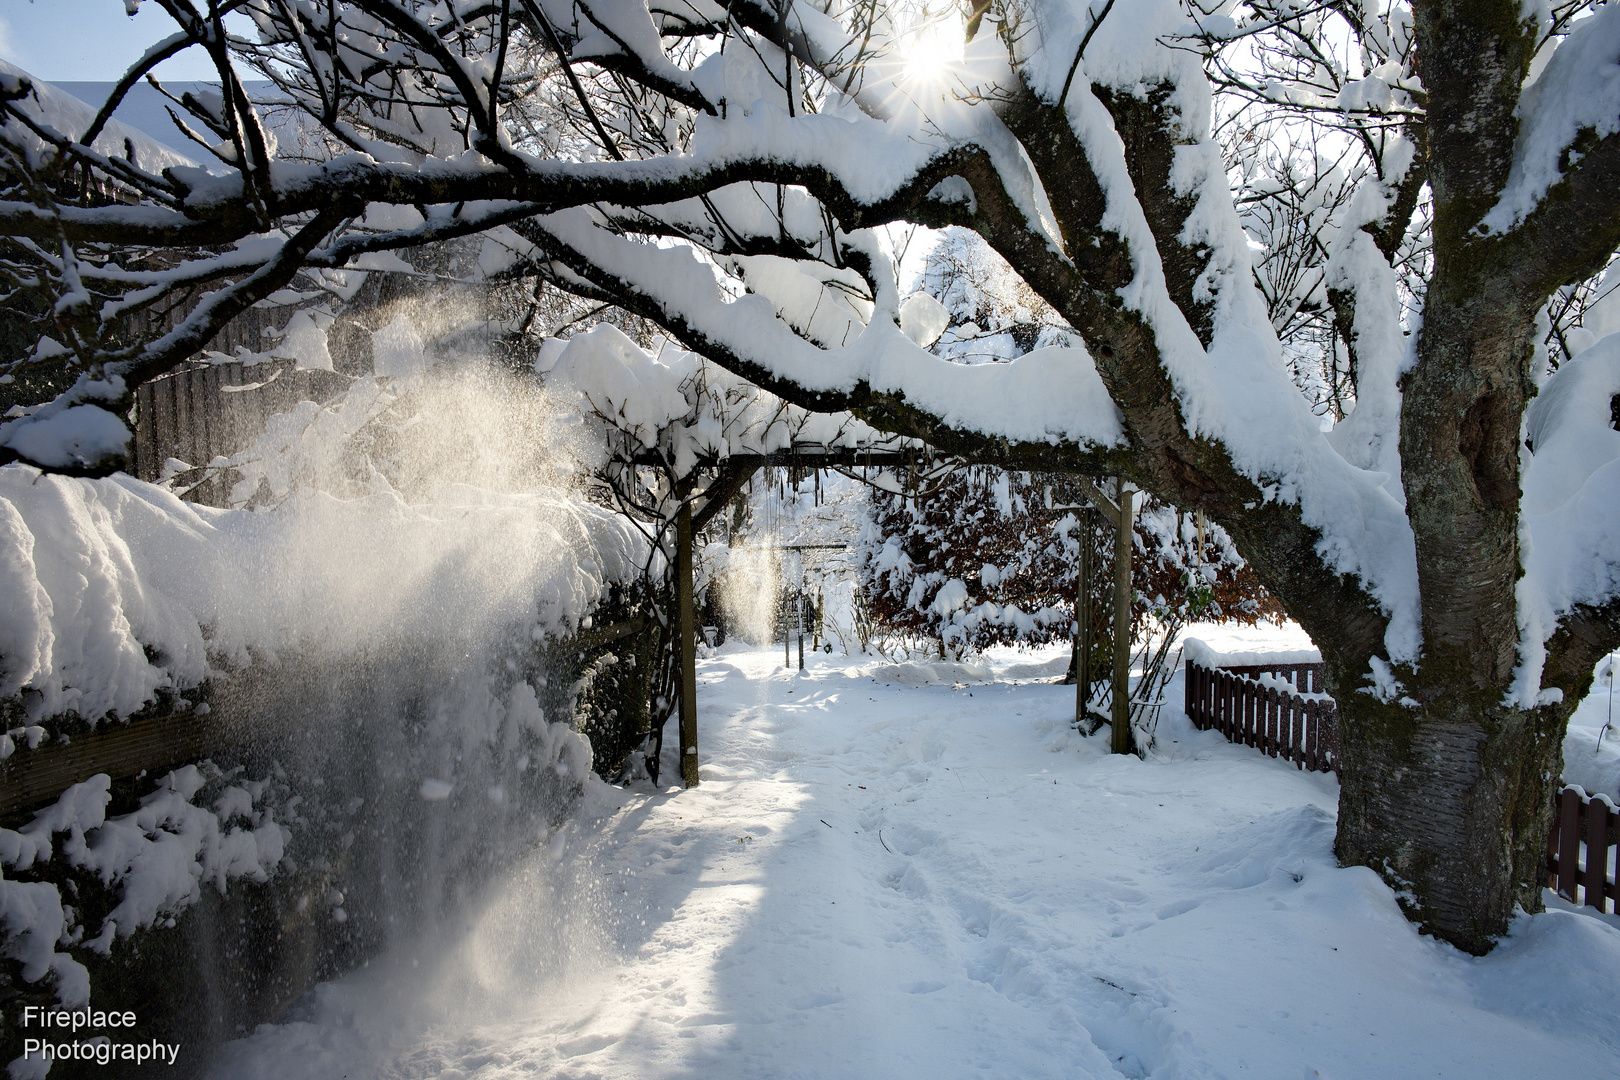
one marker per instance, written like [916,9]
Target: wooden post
[685,635]
[1082,618]
[1122,620]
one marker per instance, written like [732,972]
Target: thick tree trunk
[1446,788]
[1453,814]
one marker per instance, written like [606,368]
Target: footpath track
[882,879]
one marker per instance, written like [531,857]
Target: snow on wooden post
[1122,620]
[686,653]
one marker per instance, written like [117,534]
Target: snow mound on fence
[57,109]
[111,590]
[1197,652]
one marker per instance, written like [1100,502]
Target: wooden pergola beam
[1123,545]
[1115,509]
[686,647]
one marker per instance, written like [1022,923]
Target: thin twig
[1081,52]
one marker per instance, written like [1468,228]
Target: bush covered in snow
[991,557]
[400,652]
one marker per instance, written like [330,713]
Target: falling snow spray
[379,625]
[427,745]
[752,591]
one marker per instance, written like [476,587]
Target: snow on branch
[1573,104]
[1571,502]
[725,171]
[683,410]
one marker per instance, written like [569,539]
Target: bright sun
[928,53]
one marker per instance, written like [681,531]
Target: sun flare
[928,54]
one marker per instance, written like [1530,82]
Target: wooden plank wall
[202,411]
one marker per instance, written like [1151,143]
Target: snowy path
[877,880]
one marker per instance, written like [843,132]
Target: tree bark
[1446,785]
[1452,812]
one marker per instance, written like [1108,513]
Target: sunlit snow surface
[882,880]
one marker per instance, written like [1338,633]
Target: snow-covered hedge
[987,559]
[112,590]
[398,646]
[158,856]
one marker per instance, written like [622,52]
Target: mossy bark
[1452,807]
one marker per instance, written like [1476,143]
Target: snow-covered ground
[1592,755]
[942,880]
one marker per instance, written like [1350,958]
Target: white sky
[88,40]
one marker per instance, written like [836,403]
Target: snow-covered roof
[146,109]
[54,107]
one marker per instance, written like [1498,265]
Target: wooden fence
[1248,706]
[1279,709]
[32,778]
[1588,830]
[203,411]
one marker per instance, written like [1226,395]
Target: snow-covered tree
[988,557]
[727,172]
[981,557]
[992,314]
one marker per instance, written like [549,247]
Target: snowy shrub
[409,713]
[983,560]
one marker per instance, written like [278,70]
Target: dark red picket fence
[1276,720]
[1588,830]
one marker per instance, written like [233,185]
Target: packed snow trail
[883,880]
